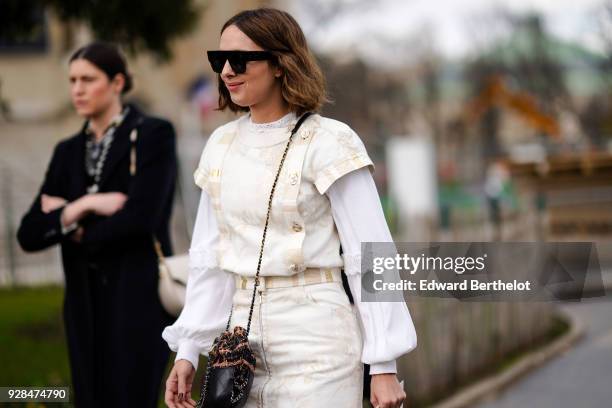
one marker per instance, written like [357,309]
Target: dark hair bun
[129,83]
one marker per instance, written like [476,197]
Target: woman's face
[91,90]
[258,84]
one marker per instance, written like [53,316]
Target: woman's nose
[227,70]
[77,87]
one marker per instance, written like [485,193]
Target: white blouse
[387,327]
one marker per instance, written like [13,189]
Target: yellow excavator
[496,93]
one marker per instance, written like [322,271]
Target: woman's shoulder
[221,135]
[225,128]
[155,133]
[68,143]
[149,123]
[328,132]
[324,124]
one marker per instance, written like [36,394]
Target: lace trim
[262,127]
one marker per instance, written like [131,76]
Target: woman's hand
[77,235]
[106,204]
[101,203]
[178,385]
[50,203]
[386,391]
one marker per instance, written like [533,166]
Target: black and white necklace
[96,156]
[96,153]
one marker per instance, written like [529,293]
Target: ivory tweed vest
[237,171]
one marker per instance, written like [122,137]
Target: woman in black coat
[104,197]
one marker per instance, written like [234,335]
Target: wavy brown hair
[302,82]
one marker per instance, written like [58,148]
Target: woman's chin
[240,101]
[83,111]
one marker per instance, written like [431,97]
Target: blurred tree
[477,74]
[148,25]
[431,77]
[537,70]
[605,33]
[525,59]
[596,115]
[324,13]
[375,103]
[350,103]
[20,20]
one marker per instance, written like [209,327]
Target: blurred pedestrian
[107,192]
[496,179]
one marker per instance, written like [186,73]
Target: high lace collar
[280,123]
[265,134]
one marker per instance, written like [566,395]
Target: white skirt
[307,343]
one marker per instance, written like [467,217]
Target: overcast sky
[448,26]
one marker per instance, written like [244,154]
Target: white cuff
[188,350]
[383,368]
[67,229]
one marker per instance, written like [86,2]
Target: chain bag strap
[231,362]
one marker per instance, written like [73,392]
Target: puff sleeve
[388,330]
[210,290]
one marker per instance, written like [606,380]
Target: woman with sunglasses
[107,191]
[309,341]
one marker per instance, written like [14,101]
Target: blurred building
[34,74]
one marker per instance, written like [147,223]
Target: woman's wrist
[75,210]
[189,351]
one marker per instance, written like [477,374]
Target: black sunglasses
[237,59]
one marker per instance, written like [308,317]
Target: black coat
[112,314]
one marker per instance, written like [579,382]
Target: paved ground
[581,377]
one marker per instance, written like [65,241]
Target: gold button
[293,179]
[296,227]
[305,135]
